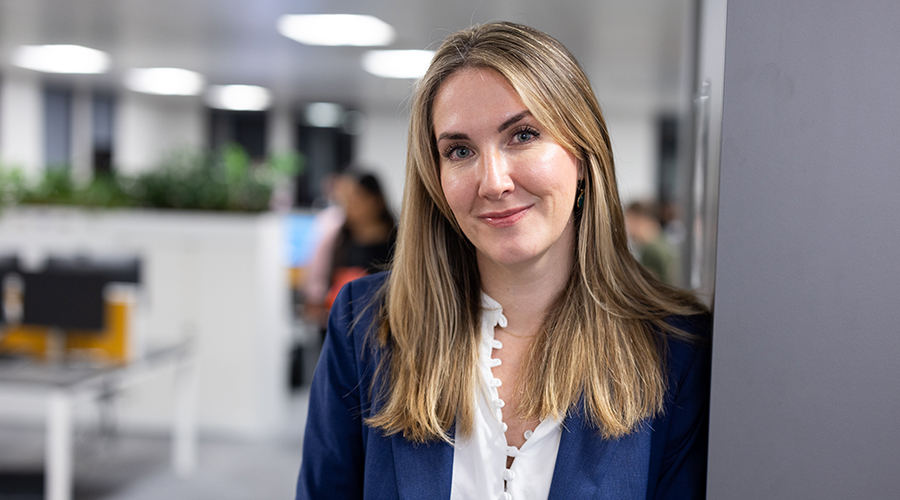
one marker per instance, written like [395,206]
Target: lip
[504,218]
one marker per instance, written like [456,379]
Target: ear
[580,170]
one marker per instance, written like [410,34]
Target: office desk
[61,385]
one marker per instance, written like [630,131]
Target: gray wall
[806,367]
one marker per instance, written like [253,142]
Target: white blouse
[479,462]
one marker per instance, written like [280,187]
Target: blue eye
[525,135]
[457,152]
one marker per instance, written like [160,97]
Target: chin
[510,257]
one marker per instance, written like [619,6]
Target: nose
[495,178]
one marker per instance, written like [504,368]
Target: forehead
[473,93]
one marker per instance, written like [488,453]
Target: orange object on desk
[111,345]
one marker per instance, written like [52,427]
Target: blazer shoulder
[371,284]
[698,325]
[688,359]
[678,451]
[698,328]
[357,308]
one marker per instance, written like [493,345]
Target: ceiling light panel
[336,29]
[397,63]
[61,59]
[325,114]
[239,97]
[164,81]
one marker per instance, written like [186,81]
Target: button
[528,434]
[508,475]
[495,362]
[496,344]
[505,427]
[496,383]
[502,321]
[512,451]
[499,403]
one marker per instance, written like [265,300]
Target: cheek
[558,176]
[454,187]
[572,173]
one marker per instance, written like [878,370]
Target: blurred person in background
[673,223]
[651,244]
[365,242]
[328,222]
[360,243]
[516,349]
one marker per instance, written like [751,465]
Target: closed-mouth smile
[504,218]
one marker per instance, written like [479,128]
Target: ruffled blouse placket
[492,316]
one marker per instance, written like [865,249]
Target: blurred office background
[218,194]
[115,159]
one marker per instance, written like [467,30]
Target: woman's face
[360,205]
[510,185]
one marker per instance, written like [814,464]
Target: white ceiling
[633,50]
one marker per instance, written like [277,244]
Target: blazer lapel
[588,466]
[424,470]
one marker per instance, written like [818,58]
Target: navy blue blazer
[345,459]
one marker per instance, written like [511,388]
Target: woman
[517,349]
[361,245]
[365,241]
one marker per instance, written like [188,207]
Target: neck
[526,291]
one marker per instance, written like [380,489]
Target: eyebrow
[456,136]
[453,136]
[512,121]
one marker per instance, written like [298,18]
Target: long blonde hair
[600,341]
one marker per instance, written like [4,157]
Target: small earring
[579,202]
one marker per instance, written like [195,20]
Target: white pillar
[58,479]
[184,428]
[22,122]
[82,158]
[282,130]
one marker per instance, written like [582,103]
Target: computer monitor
[68,294]
[116,269]
[64,300]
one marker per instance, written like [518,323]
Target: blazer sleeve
[333,446]
[679,448]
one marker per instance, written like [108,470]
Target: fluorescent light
[397,63]
[239,97]
[164,81]
[336,29]
[61,59]
[354,122]
[325,114]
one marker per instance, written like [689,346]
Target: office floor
[135,467]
